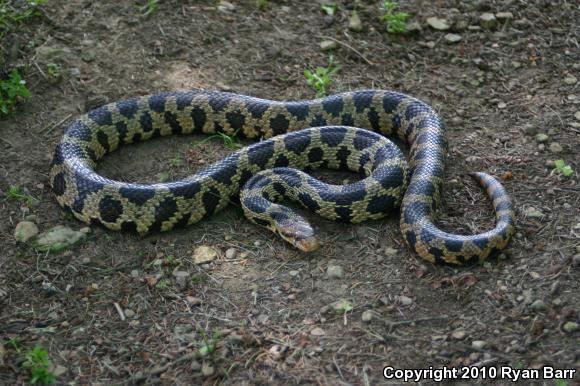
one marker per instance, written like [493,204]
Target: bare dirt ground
[262,312]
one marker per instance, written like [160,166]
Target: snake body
[289,145]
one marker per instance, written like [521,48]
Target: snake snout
[300,234]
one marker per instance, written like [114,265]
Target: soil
[112,310]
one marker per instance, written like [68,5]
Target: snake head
[299,233]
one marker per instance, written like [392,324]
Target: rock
[25,230]
[437,23]
[317,331]
[58,239]
[533,212]
[538,305]
[501,105]
[452,38]
[129,313]
[530,129]
[555,147]
[192,300]
[334,272]
[85,230]
[515,64]
[195,366]
[479,344]
[487,20]
[541,137]
[570,326]
[404,300]
[231,253]
[204,254]
[88,54]
[294,273]
[181,279]
[207,370]
[367,316]
[459,334]
[460,25]
[504,16]
[328,45]
[59,371]
[354,22]
[226,6]
[413,27]
[388,251]
[570,80]
[577,115]
[576,260]
[481,64]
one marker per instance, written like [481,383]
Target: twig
[7,142]
[51,127]
[120,311]
[350,48]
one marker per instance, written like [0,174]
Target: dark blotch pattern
[101,116]
[157,103]
[236,119]
[110,209]
[128,108]
[146,122]
[199,117]
[59,184]
[136,194]
[171,120]
[279,124]
[299,109]
[333,138]
[262,154]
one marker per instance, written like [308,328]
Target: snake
[349,130]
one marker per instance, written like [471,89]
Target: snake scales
[299,135]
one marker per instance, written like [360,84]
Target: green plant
[261,4]
[14,193]
[395,21]
[11,90]
[329,9]
[148,8]
[39,364]
[230,141]
[321,77]
[560,382]
[53,72]
[14,343]
[162,284]
[176,162]
[11,16]
[562,168]
[209,343]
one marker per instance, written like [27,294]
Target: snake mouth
[300,235]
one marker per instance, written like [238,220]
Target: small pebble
[555,147]
[577,115]
[207,370]
[438,24]
[328,45]
[317,331]
[570,326]
[538,305]
[405,300]
[541,137]
[576,260]
[335,272]
[192,300]
[367,316]
[459,334]
[129,313]
[533,212]
[354,22]
[231,253]
[530,129]
[452,38]
[25,230]
[294,273]
[487,20]
[503,16]
[570,80]
[479,344]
